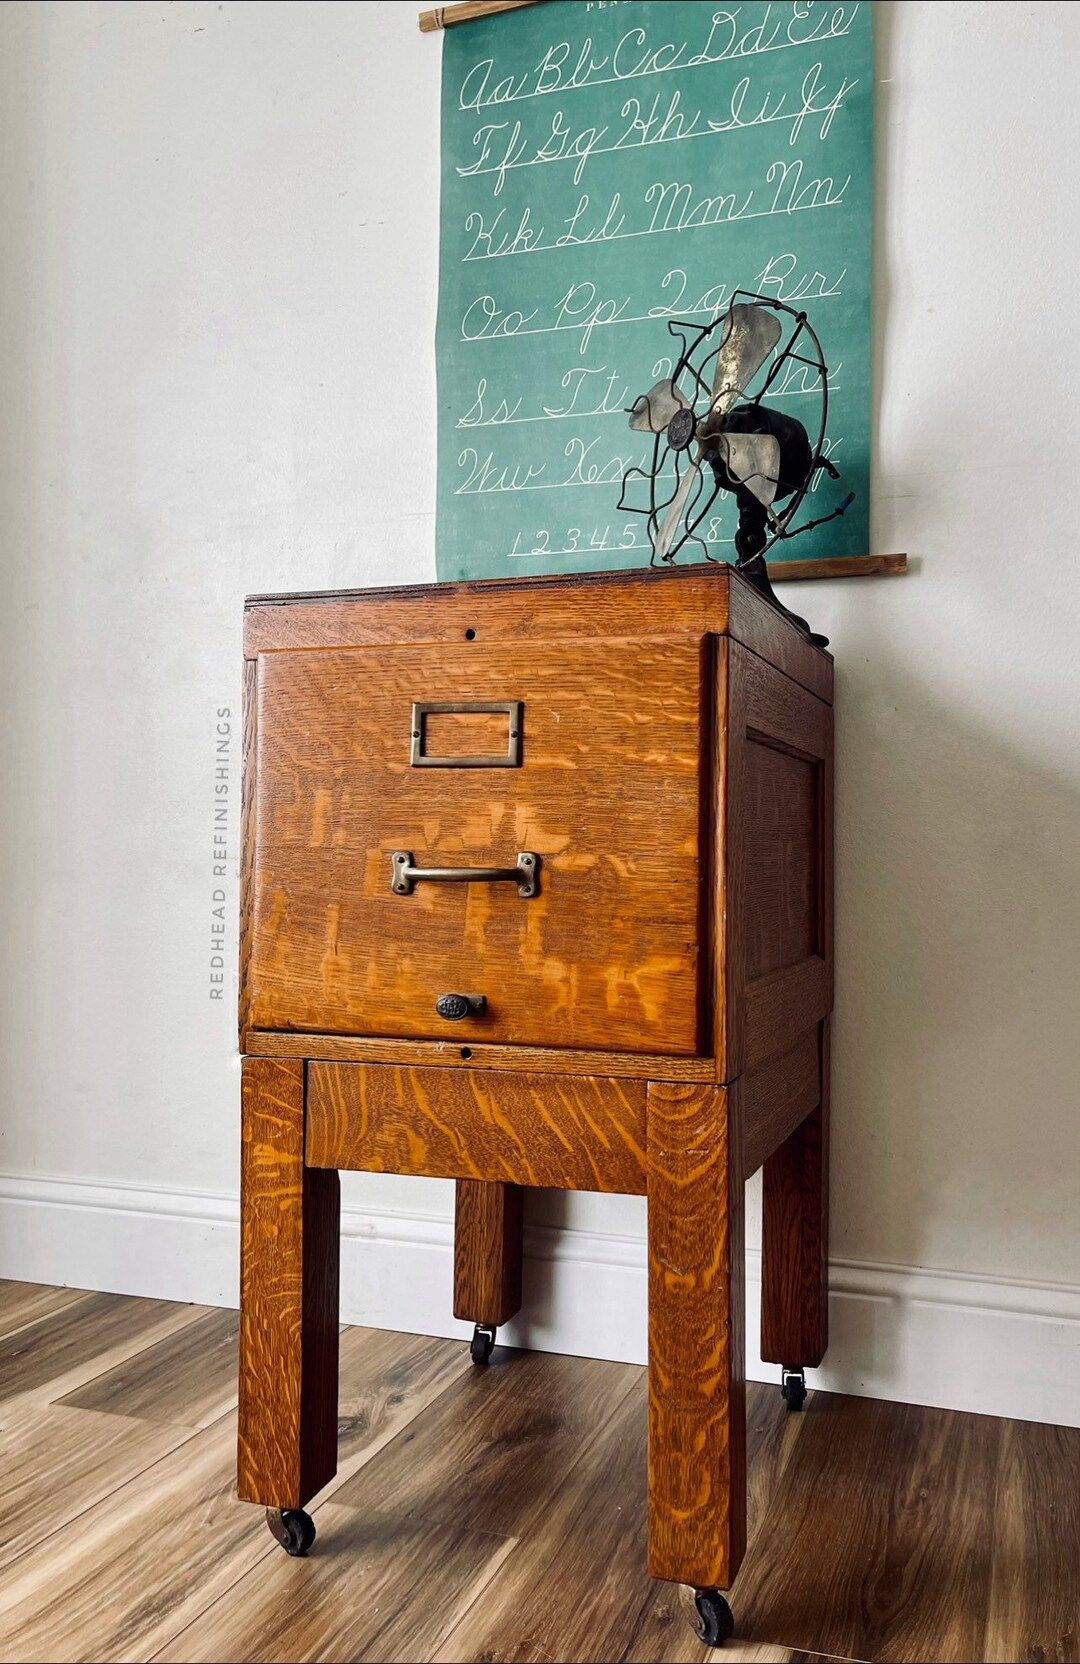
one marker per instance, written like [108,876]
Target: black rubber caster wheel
[482,1344]
[793,1388]
[715,1619]
[294,1529]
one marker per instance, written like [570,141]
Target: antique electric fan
[705,441]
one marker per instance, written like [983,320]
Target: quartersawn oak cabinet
[537,890]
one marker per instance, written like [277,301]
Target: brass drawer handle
[403,875]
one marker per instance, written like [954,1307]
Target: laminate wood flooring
[498,1514]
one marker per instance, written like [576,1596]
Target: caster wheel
[482,1344]
[715,1620]
[793,1388]
[294,1529]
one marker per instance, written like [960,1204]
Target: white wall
[218,265]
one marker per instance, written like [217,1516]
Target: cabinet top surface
[685,601]
[714,578]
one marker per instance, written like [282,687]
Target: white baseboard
[991,1344]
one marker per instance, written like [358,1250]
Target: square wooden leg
[697,1391]
[795,1239]
[487,1251]
[289,1223]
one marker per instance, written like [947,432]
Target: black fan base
[756,572]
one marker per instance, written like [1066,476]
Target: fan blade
[665,537]
[751,336]
[652,412]
[754,460]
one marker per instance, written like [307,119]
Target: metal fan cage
[802,347]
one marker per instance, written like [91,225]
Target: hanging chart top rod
[444,17]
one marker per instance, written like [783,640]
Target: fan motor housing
[681,429]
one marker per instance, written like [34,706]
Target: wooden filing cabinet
[537,890]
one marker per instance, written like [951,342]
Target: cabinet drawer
[590,761]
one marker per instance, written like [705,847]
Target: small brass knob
[455,1006]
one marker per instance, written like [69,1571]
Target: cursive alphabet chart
[608,165]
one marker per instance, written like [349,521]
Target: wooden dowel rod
[444,17]
[844,566]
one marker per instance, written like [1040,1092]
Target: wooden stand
[650,1017]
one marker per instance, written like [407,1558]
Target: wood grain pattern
[186,1380]
[676,783]
[839,566]
[55,1463]
[386,1379]
[23,1303]
[247,843]
[383,1589]
[552,607]
[586,1134]
[777,1097]
[457,734]
[575,1587]
[780,890]
[667,1630]
[1034,1608]
[715,874]
[106,1591]
[489,1452]
[41,1361]
[782,1006]
[775,710]
[795,1235]
[875,1530]
[605,955]
[450,1054]
[683,601]
[668,1633]
[487,1251]
[697,1416]
[135,1569]
[776,861]
[366,1583]
[287,1441]
[111,1592]
[774,639]
[891,1557]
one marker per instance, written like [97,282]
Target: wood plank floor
[494,1514]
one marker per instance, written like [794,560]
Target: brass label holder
[510,708]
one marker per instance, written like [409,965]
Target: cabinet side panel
[778,903]
[781,894]
[719,938]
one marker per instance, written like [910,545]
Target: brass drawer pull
[403,875]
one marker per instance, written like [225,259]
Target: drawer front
[574,1132]
[589,760]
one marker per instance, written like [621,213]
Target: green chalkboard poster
[608,165]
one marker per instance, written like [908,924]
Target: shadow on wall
[956,1054]
[956,1049]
